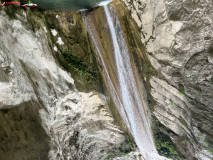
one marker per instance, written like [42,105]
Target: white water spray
[129,92]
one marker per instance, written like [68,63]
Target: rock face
[83,129]
[43,115]
[178,39]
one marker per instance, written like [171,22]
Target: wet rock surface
[21,134]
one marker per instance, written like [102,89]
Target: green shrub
[165,146]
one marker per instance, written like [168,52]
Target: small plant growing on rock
[199,92]
[181,93]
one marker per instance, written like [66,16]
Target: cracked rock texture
[42,114]
[178,38]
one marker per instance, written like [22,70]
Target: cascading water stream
[128,88]
[115,98]
[126,96]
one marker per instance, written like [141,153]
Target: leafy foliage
[165,146]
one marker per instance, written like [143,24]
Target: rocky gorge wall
[43,115]
[139,60]
[177,36]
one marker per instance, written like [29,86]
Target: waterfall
[125,93]
[128,88]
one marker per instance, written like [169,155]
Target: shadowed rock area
[21,134]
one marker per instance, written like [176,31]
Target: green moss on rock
[77,54]
[80,67]
[183,121]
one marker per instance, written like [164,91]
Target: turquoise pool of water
[64,5]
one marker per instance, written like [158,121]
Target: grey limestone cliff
[43,115]
[178,40]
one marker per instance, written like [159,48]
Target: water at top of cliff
[64,5]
